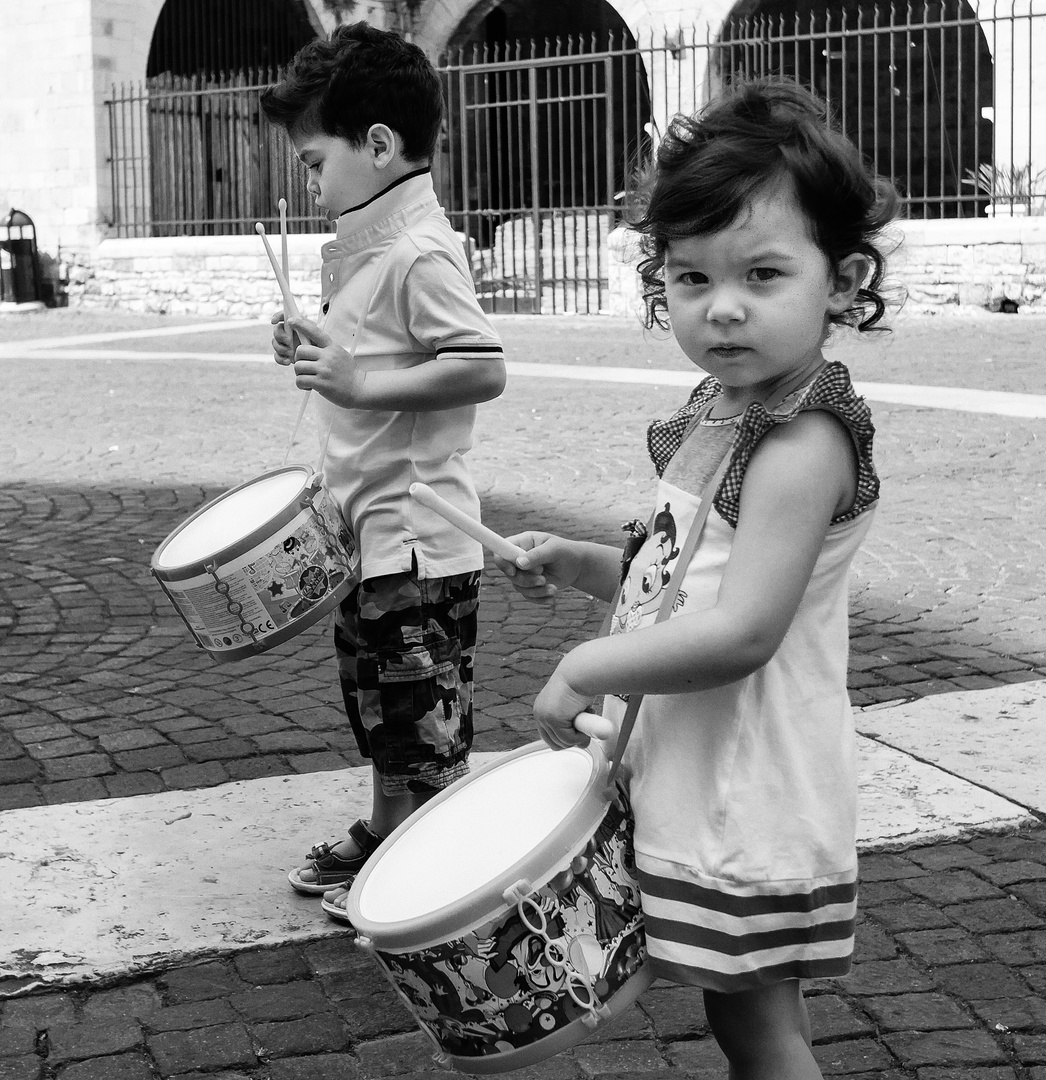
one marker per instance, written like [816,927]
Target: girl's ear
[850,276]
[381,142]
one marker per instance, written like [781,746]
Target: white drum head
[231,518]
[487,825]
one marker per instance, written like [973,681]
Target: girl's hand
[283,341]
[551,562]
[555,709]
[323,366]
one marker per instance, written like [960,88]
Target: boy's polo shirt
[398,256]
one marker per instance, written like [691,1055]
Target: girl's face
[750,303]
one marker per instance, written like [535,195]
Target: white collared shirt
[398,256]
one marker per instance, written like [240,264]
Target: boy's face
[340,175]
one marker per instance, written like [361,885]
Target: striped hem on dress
[740,941]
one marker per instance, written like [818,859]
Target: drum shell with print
[522,930]
[259,564]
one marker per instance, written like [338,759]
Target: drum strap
[668,597]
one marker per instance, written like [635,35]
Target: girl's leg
[764,1033]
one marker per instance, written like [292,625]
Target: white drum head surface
[486,826]
[231,518]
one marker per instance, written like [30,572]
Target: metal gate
[533,167]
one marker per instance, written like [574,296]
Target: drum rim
[239,547]
[453,920]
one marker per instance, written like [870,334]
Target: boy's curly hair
[359,77]
[708,167]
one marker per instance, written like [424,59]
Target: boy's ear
[851,275]
[382,142]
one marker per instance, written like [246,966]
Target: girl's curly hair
[709,167]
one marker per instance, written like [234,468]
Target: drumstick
[487,537]
[290,307]
[285,261]
[595,727]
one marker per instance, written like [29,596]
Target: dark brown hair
[758,134]
[359,77]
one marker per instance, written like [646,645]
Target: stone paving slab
[995,738]
[101,696]
[948,984]
[114,888]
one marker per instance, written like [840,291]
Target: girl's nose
[725,305]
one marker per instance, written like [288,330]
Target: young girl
[760,228]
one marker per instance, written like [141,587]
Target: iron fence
[542,139]
[193,155]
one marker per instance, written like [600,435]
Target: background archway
[910,96]
[548,107]
[204,37]
[212,157]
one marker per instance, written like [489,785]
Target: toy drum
[506,911]
[258,564]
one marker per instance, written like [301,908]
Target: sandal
[336,903]
[331,869]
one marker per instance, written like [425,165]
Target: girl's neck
[733,401]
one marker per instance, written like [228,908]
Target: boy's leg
[406,651]
[388,812]
[764,1033]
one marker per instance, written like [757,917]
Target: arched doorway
[213,168]
[204,37]
[908,85]
[548,109]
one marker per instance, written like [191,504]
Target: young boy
[403,356]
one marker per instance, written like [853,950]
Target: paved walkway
[160,922]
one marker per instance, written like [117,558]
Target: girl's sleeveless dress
[745,795]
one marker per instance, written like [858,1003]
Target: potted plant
[1012,189]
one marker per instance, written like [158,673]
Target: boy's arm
[442,317]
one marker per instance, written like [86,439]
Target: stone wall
[938,263]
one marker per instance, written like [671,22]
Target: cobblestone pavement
[102,694]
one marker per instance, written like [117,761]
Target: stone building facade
[62,58]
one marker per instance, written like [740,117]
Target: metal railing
[195,156]
[542,138]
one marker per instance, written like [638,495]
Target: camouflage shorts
[406,649]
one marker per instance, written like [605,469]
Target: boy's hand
[323,366]
[555,709]
[283,341]
[550,562]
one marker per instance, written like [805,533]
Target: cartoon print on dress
[507,984]
[648,574]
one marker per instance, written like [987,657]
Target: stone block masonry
[938,264]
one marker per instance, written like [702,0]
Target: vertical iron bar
[535,185]
[942,92]
[960,112]
[977,106]
[463,144]
[926,109]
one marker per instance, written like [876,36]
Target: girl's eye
[765,273]
[692,277]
